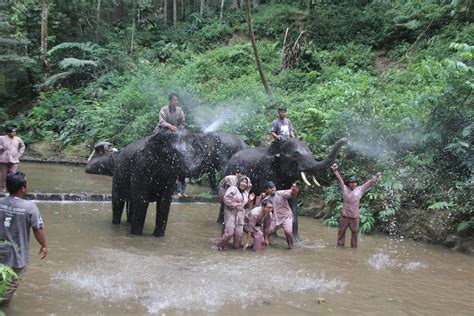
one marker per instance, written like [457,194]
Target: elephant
[145,171]
[291,160]
[102,159]
[220,148]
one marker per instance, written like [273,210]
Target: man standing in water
[11,149]
[351,194]
[236,199]
[255,223]
[226,182]
[171,115]
[282,215]
[16,217]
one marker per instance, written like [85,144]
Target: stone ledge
[93,197]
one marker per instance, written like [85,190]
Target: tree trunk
[165,12]
[237,4]
[255,51]
[201,7]
[117,11]
[98,18]
[44,32]
[174,13]
[222,9]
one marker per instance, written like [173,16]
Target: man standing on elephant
[171,115]
[236,199]
[282,214]
[11,149]
[350,209]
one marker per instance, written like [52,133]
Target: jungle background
[394,77]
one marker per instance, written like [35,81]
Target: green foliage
[6,276]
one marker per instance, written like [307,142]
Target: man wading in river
[282,214]
[351,194]
[16,217]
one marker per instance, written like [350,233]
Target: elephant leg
[138,209]
[117,208]
[293,205]
[211,176]
[220,218]
[162,212]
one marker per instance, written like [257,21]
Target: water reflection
[97,267]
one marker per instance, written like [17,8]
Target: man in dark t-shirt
[281,130]
[17,216]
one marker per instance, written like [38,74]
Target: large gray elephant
[285,163]
[219,148]
[145,171]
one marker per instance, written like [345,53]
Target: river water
[94,267]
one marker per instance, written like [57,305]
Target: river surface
[94,267]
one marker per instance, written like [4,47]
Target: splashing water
[181,282]
[382,261]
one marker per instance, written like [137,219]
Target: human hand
[43,252]
[173,128]
[378,174]
[252,196]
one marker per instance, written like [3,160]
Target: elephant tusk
[93,152]
[316,182]
[303,176]
[114,150]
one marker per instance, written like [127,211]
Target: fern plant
[81,61]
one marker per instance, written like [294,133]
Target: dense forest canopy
[395,77]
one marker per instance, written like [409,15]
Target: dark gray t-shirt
[16,218]
[282,127]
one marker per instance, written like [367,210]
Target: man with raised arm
[351,194]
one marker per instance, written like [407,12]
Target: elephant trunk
[329,160]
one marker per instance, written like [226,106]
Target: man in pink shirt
[255,222]
[352,193]
[236,199]
[11,149]
[282,215]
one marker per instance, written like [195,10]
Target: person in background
[11,149]
[351,194]
[181,187]
[236,199]
[282,215]
[17,216]
[255,222]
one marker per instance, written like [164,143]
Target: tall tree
[117,10]
[255,50]
[174,12]
[165,12]
[44,32]
[222,9]
[99,2]
[201,7]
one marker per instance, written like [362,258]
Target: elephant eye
[296,154]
